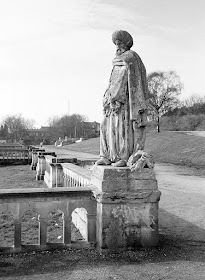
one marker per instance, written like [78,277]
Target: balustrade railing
[14,155]
[75,176]
[68,175]
[43,201]
[76,188]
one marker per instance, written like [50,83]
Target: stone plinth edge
[127,207]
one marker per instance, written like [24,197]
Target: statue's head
[123,41]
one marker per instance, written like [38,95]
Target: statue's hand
[106,98]
[137,122]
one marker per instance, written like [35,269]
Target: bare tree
[192,100]
[16,126]
[67,125]
[163,91]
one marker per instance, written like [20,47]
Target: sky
[56,55]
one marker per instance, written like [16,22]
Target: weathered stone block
[124,173]
[131,185]
[127,208]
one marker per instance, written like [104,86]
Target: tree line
[164,109]
[15,127]
[67,125]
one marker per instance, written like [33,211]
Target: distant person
[41,143]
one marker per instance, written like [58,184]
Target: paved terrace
[62,151]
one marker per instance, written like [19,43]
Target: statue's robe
[124,104]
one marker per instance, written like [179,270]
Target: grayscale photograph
[102,140]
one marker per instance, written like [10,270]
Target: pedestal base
[127,208]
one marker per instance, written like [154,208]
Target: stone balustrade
[127,200]
[43,201]
[65,172]
[34,160]
[75,176]
[48,176]
[68,175]
[41,164]
[13,156]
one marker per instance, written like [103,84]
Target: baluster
[78,181]
[91,228]
[65,184]
[70,178]
[74,177]
[42,230]
[65,178]
[72,181]
[17,233]
[66,229]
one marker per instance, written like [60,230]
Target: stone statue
[122,133]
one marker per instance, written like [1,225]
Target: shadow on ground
[176,228]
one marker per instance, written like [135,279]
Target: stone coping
[45,192]
[121,173]
[78,169]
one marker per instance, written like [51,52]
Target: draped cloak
[124,103]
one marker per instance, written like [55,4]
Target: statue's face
[120,47]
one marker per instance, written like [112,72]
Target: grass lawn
[19,177]
[166,147]
[177,148]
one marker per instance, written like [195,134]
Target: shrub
[181,123]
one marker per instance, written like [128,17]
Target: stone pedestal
[35,157]
[41,167]
[41,164]
[127,207]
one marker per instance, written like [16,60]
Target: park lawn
[166,147]
[177,148]
[19,177]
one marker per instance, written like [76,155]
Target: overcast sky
[59,52]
